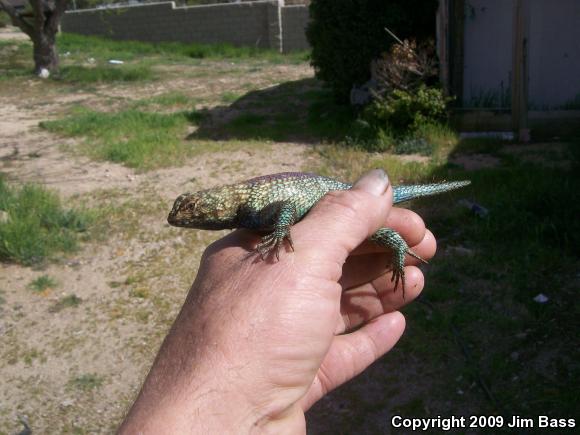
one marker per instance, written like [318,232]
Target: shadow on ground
[296,111]
[494,331]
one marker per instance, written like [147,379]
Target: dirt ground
[77,369]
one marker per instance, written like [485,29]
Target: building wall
[258,23]
[294,22]
[488,53]
[554,55]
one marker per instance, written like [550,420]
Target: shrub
[4,19]
[346,35]
[402,112]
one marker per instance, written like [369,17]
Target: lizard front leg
[389,238]
[282,215]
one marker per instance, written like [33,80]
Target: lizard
[273,203]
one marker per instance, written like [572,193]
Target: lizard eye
[191,206]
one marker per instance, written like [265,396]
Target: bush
[4,19]
[402,112]
[346,35]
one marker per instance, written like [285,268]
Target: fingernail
[374,182]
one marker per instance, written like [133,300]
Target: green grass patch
[104,73]
[70,301]
[15,59]
[42,283]
[104,49]
[36,226]
[347,163]
[86,382]
[132,137]
[229,97]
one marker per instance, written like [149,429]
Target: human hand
[258,342]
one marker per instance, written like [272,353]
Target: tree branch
[58,12]
[16,19]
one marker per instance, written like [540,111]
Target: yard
[82,318]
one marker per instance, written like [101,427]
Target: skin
[257,343]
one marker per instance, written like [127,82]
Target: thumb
[342,220]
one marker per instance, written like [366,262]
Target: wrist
[208,409]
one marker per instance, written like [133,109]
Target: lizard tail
[406,193]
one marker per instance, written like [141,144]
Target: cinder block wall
[257,23]
[294,22]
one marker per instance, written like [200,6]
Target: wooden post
[456,47]
[520,70]
[443,44]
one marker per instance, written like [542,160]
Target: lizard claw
[273,242]
[399,275]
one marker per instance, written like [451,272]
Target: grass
[103,48]
[86,382]
[42,283]
[298,110]
[478,328]
[138,57]
[529,244]
[37,226]
[166,100]
[229,97]
[132,137]
[104,73]
[15,60]
[477,323]
[70,301]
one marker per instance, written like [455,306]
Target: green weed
[36,225]
[86,382]
[70,301]
[42,283]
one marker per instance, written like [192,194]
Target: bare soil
[75,370]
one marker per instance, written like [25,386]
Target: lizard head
[205,210]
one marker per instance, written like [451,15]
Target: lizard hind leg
[283,215]
[389,238]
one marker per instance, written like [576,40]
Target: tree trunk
[41,26]
[45,52]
